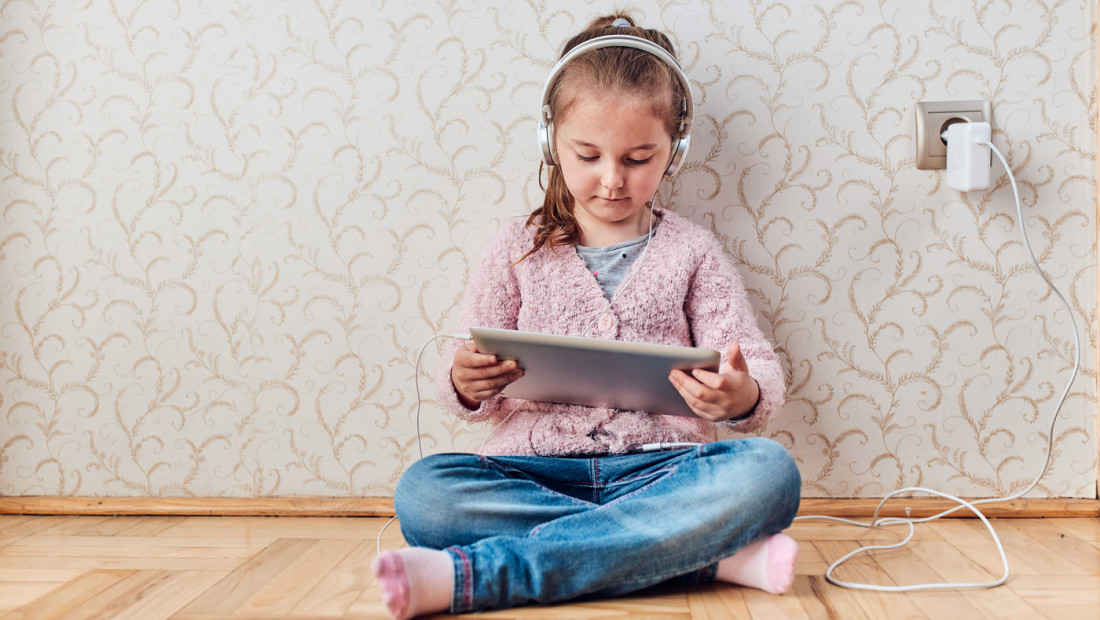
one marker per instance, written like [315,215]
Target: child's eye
[629,161]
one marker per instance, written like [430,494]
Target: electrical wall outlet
[934,117]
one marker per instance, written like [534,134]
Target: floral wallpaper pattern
[230,227]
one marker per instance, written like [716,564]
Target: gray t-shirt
[611,264]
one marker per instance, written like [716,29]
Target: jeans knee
[770,473]
[778,461]
[417,498]
[782,473]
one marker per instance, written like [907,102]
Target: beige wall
[228,228]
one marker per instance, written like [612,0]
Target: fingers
[479,376]
[705,392]
[716,396]
[712,380]
[467,356]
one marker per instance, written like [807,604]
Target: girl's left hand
[717,396]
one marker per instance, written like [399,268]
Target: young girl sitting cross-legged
[563,500]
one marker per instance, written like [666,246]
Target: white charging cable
[419,442]
[972,506]
[667,445]
[416,384]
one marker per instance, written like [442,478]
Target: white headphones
[546,125]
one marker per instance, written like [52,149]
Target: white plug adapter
[968,156]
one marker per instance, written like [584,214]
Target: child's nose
[613,177]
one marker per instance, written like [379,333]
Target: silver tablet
[599,373]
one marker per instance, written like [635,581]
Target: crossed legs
[498,532]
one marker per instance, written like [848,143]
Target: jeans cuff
[462,599]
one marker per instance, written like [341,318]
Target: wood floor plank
[279,595]
[113,600]
[110,527]
[237,587]
[60,602]
[1085,529]
[717,600]
[35,525]
[665,602]
[668,600]
[9,525]
[807,553]
[171,596]
[764,606]
[810,562]
[120,541]
[378,616]
[956,564]
[147,595]
[17,594]
[390,540]
[905,567]
[1056,583]
[813,592]
[114,563]
[864,569]
[150,526]
[323,527]
[1024,549]
[343,585]
[1069,612]
[72,525]
[954,560]
[369,601]
[8,575]
[973,542]
[1061,591]
[123,551]
[1064,544]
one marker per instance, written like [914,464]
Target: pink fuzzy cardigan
[686,294]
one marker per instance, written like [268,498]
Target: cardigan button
[606,324]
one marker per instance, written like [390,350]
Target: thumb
[737,361]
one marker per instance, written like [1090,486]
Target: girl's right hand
[478,377]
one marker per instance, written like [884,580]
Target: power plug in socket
[934,117]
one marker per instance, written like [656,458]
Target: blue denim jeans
[547,529]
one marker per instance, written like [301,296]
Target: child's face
[613,153]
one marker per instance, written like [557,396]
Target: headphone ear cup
[546,142]
[678,154]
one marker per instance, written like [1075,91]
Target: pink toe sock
[389,569]
[782,556]
[414,581]
[766,564]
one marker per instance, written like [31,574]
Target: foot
[767,564]
[415,581]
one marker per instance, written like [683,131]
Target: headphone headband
[680,145]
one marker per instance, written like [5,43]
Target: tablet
[598,373]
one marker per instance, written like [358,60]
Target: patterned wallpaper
[230,226]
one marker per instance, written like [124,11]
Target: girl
[569,503]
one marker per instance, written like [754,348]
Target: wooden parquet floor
[218,568]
